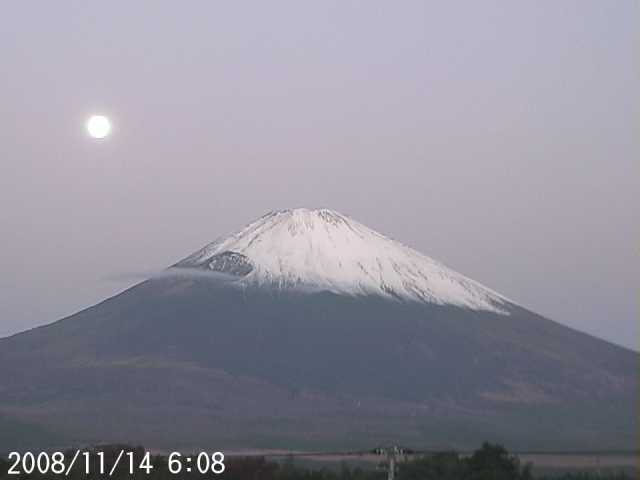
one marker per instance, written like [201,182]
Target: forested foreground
[490,462]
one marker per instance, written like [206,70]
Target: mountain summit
[325,250]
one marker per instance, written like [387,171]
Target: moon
[98,126]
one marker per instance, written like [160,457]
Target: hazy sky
[499,137]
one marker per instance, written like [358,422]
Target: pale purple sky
[500,137]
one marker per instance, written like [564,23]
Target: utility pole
[392,454]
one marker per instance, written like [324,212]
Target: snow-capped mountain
[383,343]
[325,250]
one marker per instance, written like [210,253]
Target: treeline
[490,462]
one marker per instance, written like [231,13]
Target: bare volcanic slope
[306,329]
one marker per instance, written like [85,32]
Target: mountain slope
[212,354]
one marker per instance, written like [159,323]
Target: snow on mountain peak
[325,250]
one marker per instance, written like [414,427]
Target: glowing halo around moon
[98,126]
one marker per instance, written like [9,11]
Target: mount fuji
[306,329]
